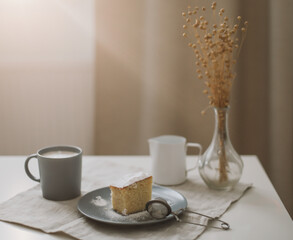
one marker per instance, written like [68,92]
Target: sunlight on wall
[47,54]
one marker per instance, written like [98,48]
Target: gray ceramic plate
[97,206]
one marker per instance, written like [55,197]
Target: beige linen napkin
[29,208]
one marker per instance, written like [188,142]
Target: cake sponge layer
[132,198]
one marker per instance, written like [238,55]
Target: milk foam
[59,154]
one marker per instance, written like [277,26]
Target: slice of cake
[131,193]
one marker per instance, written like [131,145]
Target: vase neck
[221,123]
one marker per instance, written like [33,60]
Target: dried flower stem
[222,155]
[216,48]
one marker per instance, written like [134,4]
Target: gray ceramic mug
[60,171]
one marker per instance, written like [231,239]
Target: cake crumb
[124,212]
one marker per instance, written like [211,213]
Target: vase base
[221,186]
[226,188]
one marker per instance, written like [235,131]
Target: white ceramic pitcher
[168,155]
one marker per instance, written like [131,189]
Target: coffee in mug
[60,171]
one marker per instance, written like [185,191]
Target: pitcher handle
[196,145]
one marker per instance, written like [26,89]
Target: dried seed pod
[215,45]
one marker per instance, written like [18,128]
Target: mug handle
[31,176]
[196,145]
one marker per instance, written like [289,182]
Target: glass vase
[220,166]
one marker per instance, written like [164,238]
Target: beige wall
[146,83]
[46,74]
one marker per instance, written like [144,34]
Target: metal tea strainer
[159,209]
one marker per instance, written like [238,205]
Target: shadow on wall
[143,87]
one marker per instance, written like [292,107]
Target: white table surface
[258,215]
